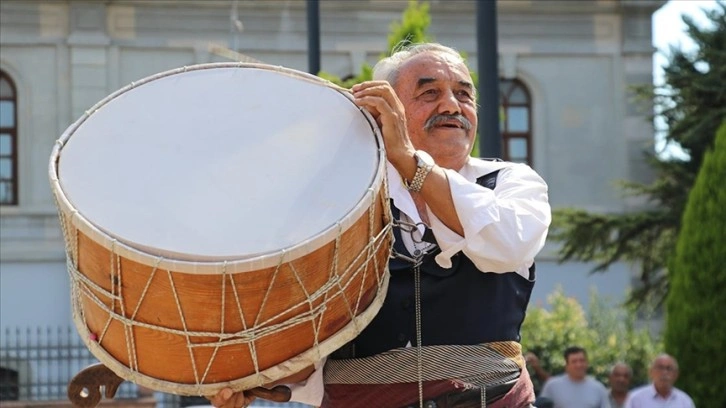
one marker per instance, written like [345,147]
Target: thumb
[226,393]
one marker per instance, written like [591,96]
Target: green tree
[692,103]
[609,334]
[415,20]
[695,331]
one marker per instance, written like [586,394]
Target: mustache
[444,118]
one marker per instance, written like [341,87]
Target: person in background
[539,377]
[660,392]
[540,374]
[574,388]
[619,377]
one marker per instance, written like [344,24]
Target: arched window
[8,141]
[515,121]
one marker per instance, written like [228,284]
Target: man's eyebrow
[423,81]
[427,80]
[466,84]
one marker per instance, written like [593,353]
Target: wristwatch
[424,164]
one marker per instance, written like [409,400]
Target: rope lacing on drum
[336,285]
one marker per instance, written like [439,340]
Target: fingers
[379,98]
[226,398]
[381,101]
[221,397]
[376,89]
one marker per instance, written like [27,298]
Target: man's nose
[449,104]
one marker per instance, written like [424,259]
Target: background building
[566,68]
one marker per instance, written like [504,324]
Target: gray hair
[387,68]
[664,355]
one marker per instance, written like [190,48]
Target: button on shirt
[648,397]
[504,228]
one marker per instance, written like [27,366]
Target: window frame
[13,132]
[506,88]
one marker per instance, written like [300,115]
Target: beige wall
[577,58]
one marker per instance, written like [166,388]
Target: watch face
[424,158]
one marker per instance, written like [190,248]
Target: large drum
[226,225]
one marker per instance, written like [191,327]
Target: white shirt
[504,228]
[647,397]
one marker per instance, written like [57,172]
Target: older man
[619,377]
[447,334]
[661,392]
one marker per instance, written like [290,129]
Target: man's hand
[379,98]
[226,398]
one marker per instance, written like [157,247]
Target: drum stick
[279,393]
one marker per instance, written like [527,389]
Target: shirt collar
[655,395]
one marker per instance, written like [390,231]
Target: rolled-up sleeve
[504,228]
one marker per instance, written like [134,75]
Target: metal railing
[36,364]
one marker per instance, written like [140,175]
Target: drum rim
[227,265]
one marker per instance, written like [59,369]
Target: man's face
[437,92]
[620,378]
[664,373]
[576,366]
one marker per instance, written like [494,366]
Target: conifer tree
[695,331]
[692,104]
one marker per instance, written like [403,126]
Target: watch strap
[416,183]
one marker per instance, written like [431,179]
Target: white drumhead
[220,163]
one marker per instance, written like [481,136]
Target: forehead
[430,65]
[665,361]
[620,370]
[578,355]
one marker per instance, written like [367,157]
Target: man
[661,392]
[541,375]
[575,389]
[469,229]
[619,378]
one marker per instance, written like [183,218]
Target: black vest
[459,305]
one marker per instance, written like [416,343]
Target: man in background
[620,376]
[574,388]
[661,392]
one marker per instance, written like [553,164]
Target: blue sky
[669,30]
